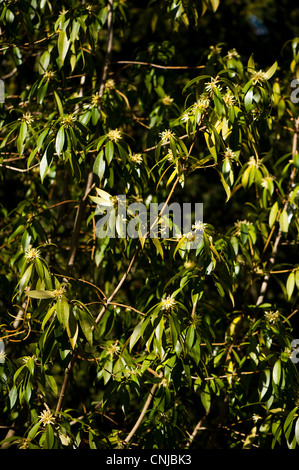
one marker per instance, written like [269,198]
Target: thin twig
[167,67]
[144,410]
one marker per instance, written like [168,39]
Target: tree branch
[271,262]
[141,416]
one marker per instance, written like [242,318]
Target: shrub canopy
[118,342]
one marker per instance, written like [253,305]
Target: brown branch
[198,426]
[167,67]
[143,411]
[67,373]
[271,262]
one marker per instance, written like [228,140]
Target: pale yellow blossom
[136,158]
[113,349]
[168,303]
[114,135]
[68,120]
[31,254]
[272,317]
[167,100]
[47,417]
[166,135]
[28,118]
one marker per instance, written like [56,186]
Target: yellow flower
[166,135]
[114,135]
[253,162]
[113,349]
[110,84]
[24,443]
[95,99]
[213,84]
[136,158]
[168,303]
[164,382]
[31,254]
[229,153]
[46,417]
[26,359]
[28,118]
[201,105]
[185,117]
[189,264]
[256,417]
[215,49]
[198,225]
[272,317]
[228,98]
[49,74]
[170,156]
[68,120]
[58,293]
[266,182]
[233,53]
[258,77]
[167,100]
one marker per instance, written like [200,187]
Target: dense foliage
[145,342]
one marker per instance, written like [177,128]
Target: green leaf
[99,165]
[158,246]
[290,284]
[33,431]
[13,395]
[25,278]
[40,294]
[44,62]
[284,221]
[218,100]
[265,382]
[271,71]
[248,100]
[21,137]
[63,45]
[58,104]
[289,420]
[49,437]
[86,322]
[225,186]
[72,328]
[41,92]
[138,331]
[59,141]
[206,398]
[109,149]
[63,311]
[214,4]
[48,315]
[45,162]
[276,373]
[273,214]
[39,268]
